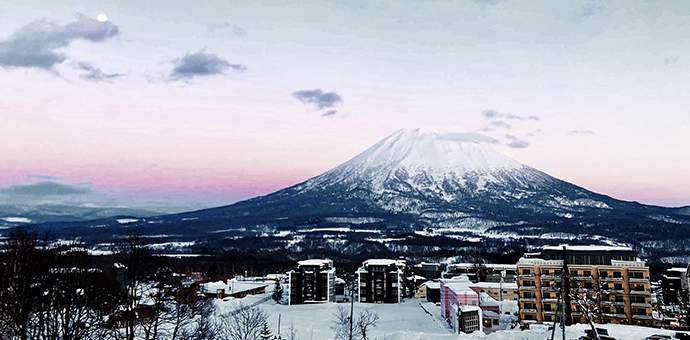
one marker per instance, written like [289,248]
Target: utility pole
[352,304]
[566,289]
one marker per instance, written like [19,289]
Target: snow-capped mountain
[413,189]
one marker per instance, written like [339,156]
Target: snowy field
[405,321]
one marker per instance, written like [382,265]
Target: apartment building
[611,278]
[380,280]
[312,281]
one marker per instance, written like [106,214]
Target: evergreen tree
[265,332]
[278,292]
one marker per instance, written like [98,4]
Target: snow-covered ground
[405,321]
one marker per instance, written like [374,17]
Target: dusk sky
[209,102]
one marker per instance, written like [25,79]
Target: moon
[102,17]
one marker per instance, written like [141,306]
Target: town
[53,289]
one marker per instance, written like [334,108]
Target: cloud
[201,64]
[41,189]
[239,31]
[330,113]
[592,8]
[318,97]
[492,114]
[95,74]
[581,132]
[500,124]
[45,177]
[36,44]
[517,143]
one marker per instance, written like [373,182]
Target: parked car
[601,337]
[659,337]
[682,336]
[601,331]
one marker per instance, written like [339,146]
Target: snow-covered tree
[278,292]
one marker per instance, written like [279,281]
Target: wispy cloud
[95,74]
[318,97]
[201,64]
[515,142]
[239,31]
[36,44]
[330,113]
[44,177]
[45,189]
[491,114]
[500,124]
[581,132]
[593,8]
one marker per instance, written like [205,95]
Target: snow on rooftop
[315,262]
[379,262]
[588,248]
[496,285]
[677,269]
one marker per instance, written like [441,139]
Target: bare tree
[291,331]
[587,298]
[341,324]
[245,323]
[365,320]
[206,327]
[23,269]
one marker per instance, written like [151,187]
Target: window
[527,272]
[547,318]
[546,296]
[573,273]
[528,295]
[617,286]
[617,274]
[530,305]
[528,283]
[545,272]
[603,274]
[636,275]
[587,273]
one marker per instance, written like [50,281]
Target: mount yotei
[416,191]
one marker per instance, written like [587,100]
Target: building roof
[233,286]
[379,262]
[588,248]
[316,262]
[495,285]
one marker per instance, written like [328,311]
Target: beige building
[613,278]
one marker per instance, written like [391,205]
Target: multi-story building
[460,304]
[312,281]
[482,272]
[613,279]
[380,280]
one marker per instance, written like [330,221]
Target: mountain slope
[412,185]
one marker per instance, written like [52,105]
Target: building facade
[460,305]
[312,281]
[380,281]
[611,278]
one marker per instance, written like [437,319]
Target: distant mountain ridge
[413,185]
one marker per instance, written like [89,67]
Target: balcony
[639,280]
[528,299]
[581,278]
[641,304]
[526,276]
[549,300]
[551,277]
[549,312]
[642,317]
[611,279]
[617,316]
[528,311]
[640,292]
[527,288]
